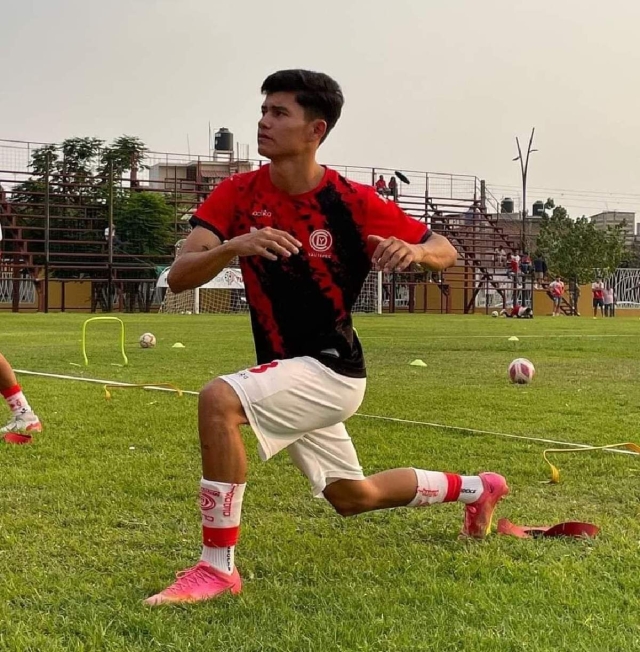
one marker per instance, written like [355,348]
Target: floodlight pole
[524,168]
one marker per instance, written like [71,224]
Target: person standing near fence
[556,288]
[574,296]
[609,299]
[597,289]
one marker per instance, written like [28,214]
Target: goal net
[626,286]
[225,294]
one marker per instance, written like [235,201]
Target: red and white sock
[220,505]
[16,400]
[435,487]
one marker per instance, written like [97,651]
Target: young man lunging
[306,238]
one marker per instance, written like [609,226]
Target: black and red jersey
[302,305]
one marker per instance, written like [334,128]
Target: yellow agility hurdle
[84,337]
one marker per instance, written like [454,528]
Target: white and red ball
[147,340]
[521,371]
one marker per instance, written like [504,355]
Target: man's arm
[436,254]
[204,256]
[395,255]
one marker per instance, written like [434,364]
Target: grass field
[101,510]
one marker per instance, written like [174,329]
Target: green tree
[576,249]
[78,198]
[124,153]
[144,223]
[144,234]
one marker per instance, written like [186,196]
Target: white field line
[473,431]
[489,337]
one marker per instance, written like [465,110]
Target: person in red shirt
[597,289]
[307,239]
[381,186]
[518,311]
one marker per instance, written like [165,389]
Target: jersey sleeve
[386,219]
[217,211]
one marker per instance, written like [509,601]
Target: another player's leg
[23,423]
[420,488]
[224,467]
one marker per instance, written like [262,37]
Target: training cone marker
[178,345]
[418,363]
[513,338]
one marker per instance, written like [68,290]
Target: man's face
[284,129]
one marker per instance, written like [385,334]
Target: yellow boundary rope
[107,393]
[555,473]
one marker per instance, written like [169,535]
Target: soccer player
[597,289]
[556,287]
[518,311]
[24,423]
[306,238]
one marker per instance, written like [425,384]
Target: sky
[437,85]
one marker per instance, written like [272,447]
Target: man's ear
[319,129]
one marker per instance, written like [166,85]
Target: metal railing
[55,228]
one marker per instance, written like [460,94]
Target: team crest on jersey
[320,242]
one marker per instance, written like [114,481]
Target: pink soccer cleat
[20,430]
[198,583]
[478,515]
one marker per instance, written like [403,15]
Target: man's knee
[351,497]
[218,401]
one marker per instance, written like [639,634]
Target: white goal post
[225,294]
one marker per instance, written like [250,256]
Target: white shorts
[299,404]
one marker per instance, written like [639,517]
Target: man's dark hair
[318,94]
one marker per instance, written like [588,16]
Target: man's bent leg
[419,488]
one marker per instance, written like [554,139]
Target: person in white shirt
[609,298]
[556,288]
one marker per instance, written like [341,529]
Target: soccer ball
[494,313]
[521,371]
[147,340]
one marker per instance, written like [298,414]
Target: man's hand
[268,243]
[395,255]
[392,254]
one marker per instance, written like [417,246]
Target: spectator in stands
[609,299]
[393,188]
[539,269]
[513,267]
[381,186]
[556,288]
[574,296]
[525,264]
[500,256]
[597,289]
[116,240]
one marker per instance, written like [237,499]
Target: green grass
[90,527]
